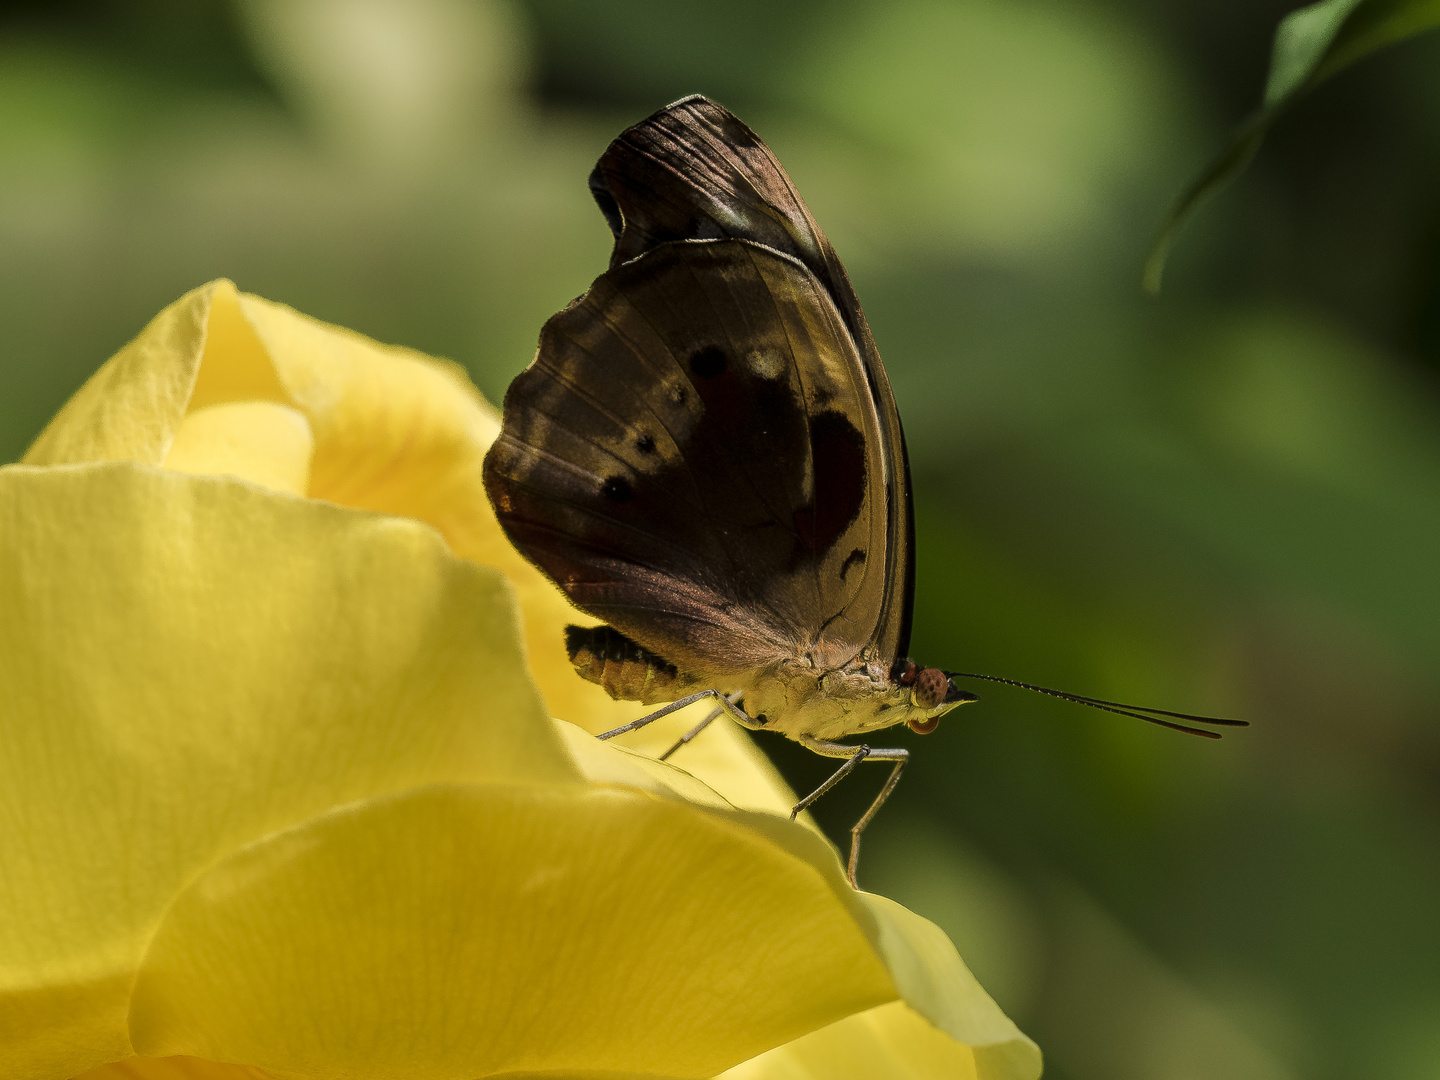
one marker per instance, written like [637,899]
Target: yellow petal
[172,1068]
[475,930]
[130,408]
[945,1023]
[214,663]
[393,431]
[890,1041]
[200,351]
[221,383]
[259,441]
[936,984]
[722,757]
[235,365]
[603,763]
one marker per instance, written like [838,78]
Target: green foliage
[1311,44]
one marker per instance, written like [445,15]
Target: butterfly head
[932,694]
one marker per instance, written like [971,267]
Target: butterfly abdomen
[628,671]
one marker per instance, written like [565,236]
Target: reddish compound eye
[930,686]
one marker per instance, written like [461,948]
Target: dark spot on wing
[838,451]
[855,558]
[757,483]
[708,362]
[704,228]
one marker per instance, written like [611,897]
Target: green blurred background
[1224,501]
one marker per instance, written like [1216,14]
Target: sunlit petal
[505,928]
[260,441]
[212,664]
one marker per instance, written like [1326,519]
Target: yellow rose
[278,788]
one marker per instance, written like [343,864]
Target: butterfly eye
[923,727]
[930,687]
[616,489]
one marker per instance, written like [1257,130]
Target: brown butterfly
[705,453]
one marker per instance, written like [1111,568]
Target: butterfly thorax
[800,698]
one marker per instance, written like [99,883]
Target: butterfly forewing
[694,171]
[688,457]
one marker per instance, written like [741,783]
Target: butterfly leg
[854,755]
[701,726]
[726,705]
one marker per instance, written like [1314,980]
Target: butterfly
[706,455]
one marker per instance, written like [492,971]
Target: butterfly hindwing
[690,456]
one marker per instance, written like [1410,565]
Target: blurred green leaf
[1027,134]
[1311,44]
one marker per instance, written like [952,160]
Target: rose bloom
[281,793]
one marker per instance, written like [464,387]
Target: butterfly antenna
[1139,712]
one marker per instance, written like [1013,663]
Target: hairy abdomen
[627,670]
